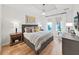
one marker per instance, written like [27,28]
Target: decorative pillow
[29,29]
[37,29]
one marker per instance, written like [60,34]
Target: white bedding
[37,38]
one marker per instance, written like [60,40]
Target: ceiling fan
[47,8]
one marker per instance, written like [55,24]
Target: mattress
[37,38]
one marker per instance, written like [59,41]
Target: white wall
[0,24]
[10,15]
[43,21]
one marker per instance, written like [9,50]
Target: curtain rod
[56,14]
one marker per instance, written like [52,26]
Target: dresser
[70,44]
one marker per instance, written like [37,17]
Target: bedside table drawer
[14,37]
[19,35]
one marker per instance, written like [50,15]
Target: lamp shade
[69,24]
[15,25]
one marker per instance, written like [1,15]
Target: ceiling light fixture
[43,11]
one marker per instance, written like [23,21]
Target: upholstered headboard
[28,25]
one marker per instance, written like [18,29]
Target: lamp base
[16,30]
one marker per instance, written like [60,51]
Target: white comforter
[37,38]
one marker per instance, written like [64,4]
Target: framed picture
[30,19]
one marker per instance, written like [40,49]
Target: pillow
[29,29]
[37,29]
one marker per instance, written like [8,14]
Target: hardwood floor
[54,48]
[0,50]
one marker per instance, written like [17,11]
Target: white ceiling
[46,7]
[37,8]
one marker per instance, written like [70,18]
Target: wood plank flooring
[54,48]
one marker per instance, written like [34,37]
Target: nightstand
[14,37]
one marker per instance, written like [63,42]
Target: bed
[36,40]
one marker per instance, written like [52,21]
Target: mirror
[76,21]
